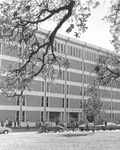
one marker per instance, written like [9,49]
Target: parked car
[89,126]
[5,130]
[51,126]
[110,126]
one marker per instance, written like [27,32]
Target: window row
[91,56]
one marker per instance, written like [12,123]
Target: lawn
[100,140]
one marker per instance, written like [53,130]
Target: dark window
[23,100]
[67,103]
[41,116]
[42,101]
[23,116]
[80,103]
[63,88]
[17,116]
[18,101]
[63,103]
[47,102]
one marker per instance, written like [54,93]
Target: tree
[108,70]
[108,66]
[19,24]
[93,106]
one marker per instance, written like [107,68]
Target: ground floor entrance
[54,116]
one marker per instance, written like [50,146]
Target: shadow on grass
[77,134]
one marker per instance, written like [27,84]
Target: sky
[98,30]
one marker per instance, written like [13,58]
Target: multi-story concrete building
[65,96]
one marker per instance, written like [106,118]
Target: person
[73,126]
[87,125]
[27,125]
[2,123]
[65,126]
[77,125]
[18,124]
[6,123]
[14,124]
[37,124]
[81,121]
[105,124]
[41,127]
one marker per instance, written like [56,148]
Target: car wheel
[60,130]
[6,132]
[46,130]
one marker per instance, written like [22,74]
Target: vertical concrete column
[83,80]
[48,114]
[61,120]
[68,117]
[79,116]
[45,88]
[111,119]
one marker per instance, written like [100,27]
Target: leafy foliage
[108,70]
[19,25]
[93,106]
[108,66]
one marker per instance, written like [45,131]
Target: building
[64,98]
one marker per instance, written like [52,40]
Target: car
[5,130]
[84,127]
[110,126]
[50,126]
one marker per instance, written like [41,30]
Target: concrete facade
[82,58]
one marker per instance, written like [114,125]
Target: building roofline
[76,41]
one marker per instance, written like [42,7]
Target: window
[80,90]
[84,102]
[23,100]
[80,78]
[58,47]
[48,87]
[17,100]
[80,65]
[67,103]
[61,48]
[85,79]
[41,116]
[42,86]
[80,103]
[73,51]
[63,88]
[64,51]
[85,66]
[69,50]
[42,101]
[67,89]
[68,76]
[63,75]
[80,53]
[76,52]
[62,102]
[47,102]
[19,51]
[23,116]
[17,116]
